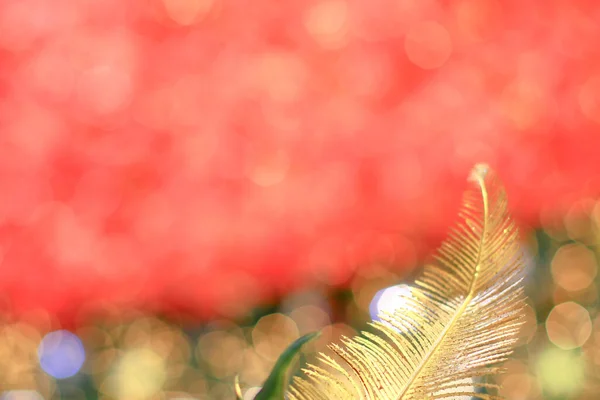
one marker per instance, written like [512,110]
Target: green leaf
[275,385]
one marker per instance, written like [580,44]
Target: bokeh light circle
[389,300]
[223,352]
[326,22]
[61,354]
[517,382]
[252,392]
[574,267]
[21,395]
[428,45]
[560,372]
[569,325]
[273,334]
[140,373]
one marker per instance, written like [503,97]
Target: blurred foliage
[132,355]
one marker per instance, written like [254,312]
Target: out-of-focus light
[587,296]
[574,267]
[530,325]
[281,76]
[185,12]
[569,325]
[524,103]
[273,334]
[223,351]
[519,386]
[61,354]
[182,398]
[255,369]
[327,22]
[140,374]
[476,19]
[93,94]
[428,45]
[310,318]
[301,299]
[588,98]
[251,393]
[518,383]
[195,382]
[21,395]
[268,170]
[389,300]
[561,373]
[578,222]
[334,334]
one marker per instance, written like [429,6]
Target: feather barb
[461,318]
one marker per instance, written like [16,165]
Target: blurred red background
[205,155]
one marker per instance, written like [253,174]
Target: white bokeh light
[21,395]
[389,300]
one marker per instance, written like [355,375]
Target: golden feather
[462,317]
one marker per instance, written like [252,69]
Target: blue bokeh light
[61,354]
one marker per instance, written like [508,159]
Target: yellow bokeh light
[255,369]
[310,318]
[592,349]
[273,334]
[139,374]
[569,325]
[574,267]
[561,373]
[19,364]
[223,351]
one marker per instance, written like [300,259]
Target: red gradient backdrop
[205,155]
